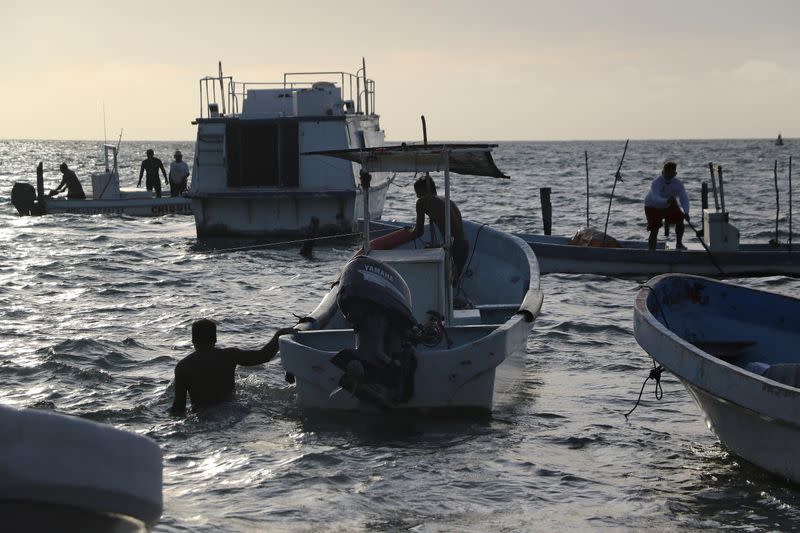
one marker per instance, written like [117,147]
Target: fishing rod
[617,177]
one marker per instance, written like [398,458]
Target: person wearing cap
[151,165]
[666,202]
[71,183]
[178,175]
[208,374]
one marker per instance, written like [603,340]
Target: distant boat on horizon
[779,140]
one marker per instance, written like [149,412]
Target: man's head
[670,170]
[178,155]
[63,167]
[204,333]
[425,187]
[149,152]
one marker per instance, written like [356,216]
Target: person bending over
[207,375]
[661,204]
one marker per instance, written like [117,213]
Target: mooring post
[39,182]
[704,195]
[714,186]
[721,188]
[547,210]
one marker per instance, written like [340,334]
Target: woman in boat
[71,183]
[661,205]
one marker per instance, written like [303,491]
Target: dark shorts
[154,183]
[175,189]
[655,216]
[460,252]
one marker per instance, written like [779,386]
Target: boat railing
[216,91]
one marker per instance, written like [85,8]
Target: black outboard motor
[23,197]
[377,302]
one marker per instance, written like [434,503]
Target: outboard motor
[23,197]
[376,301]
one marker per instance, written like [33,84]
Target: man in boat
[151,165]
[428,203]
[70,183]
[667,202]
[207,374]
[178,174]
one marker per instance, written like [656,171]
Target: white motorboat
[448,362]
[106,196]
[62,473]
[735,351]
[252,173]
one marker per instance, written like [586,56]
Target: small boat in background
[779,140]
[253,175]
[444,357]
[107,197]
[735,349]
[63,473]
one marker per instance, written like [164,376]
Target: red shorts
[655,215]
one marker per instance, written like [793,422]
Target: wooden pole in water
[790,202]
[714,186]
[617,177]
[586,159]
[777,202]
[547,210]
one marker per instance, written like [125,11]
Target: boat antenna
[425,142]
[366,86]
[777,202]
[105,137]
[221,88]
[617,177]
[790,203]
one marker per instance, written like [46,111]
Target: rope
[295,241]
[655,374]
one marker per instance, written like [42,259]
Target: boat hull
[502,280]
[138,207]
[634,259]
[282,213]
[753,416]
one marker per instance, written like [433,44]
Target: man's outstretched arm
[257,357]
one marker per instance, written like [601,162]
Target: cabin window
[262,153]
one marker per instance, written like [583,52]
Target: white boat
[455,363]
[735,350]
[62,473]
[723,255]
[252,175]
[106,196]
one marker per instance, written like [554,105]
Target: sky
[478,70]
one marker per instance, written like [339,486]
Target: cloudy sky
[478,70]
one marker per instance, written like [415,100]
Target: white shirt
[662,190]
[178,171]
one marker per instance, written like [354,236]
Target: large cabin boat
[249,177]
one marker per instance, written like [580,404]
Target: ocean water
[96,310]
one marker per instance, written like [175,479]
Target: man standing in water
[69,182]
[428,203]
[151,165]
[207,375]
[661,204]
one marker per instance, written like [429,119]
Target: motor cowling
[376,301]
[23,197]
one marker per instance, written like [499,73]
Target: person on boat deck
[70,182]
[151,165]
[178,175]
[207,374]
[661,204]
[428,203]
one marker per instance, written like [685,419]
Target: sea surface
[95,311]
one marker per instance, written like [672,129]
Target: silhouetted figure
[70,182]
[151,165]
[178,175]
[207,375]
[428,203]
[661,204]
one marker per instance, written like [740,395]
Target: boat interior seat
[497,313]
[726,350]
[786,373]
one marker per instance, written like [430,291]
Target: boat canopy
[469,159]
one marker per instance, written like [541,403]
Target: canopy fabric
[470,159]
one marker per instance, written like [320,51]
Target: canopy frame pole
[448,287]
[365,178]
